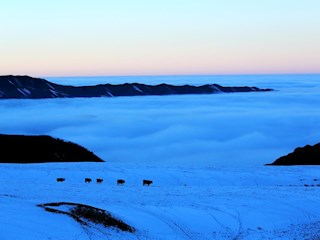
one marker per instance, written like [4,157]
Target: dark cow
[87,180]
[99,180]
[61,179]
[120,181]
[147,182]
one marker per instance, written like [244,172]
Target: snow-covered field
[205,155]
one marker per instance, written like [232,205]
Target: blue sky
[67,38]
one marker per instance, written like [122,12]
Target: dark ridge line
[25,87]
[307,155]
[42,149]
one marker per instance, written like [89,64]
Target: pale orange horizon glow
[168,38]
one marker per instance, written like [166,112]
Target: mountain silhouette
[21,87]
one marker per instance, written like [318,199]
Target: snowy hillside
[205,155]
[182,203]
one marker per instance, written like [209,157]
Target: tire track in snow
[231,233]
[180,229]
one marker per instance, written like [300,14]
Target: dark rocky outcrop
[35,88]
[41,149]
[87,215]
[307,155]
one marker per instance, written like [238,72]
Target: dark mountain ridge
[42,149]
[21,87]
[307,155]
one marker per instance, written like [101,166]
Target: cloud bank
[209,130]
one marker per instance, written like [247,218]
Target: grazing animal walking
[120,181]
[146,182]
[61,179]
[99,180]
[87,180]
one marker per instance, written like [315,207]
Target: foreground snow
[183,203]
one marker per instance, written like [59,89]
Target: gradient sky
[145,37]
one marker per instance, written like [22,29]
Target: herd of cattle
[100,180]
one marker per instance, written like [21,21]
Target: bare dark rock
[41,149]
[307,155]
[86,215]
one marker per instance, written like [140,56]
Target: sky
[168,37]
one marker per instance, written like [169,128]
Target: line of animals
[145,182]
[311,183]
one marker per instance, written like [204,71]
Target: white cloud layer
[210,130]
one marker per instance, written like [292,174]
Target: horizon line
[179,75]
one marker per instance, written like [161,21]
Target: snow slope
[182,203]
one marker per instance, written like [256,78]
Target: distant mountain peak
[26,87]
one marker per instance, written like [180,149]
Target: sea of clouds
[202,130]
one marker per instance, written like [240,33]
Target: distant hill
[41,149]
[36,88]
[307,155]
